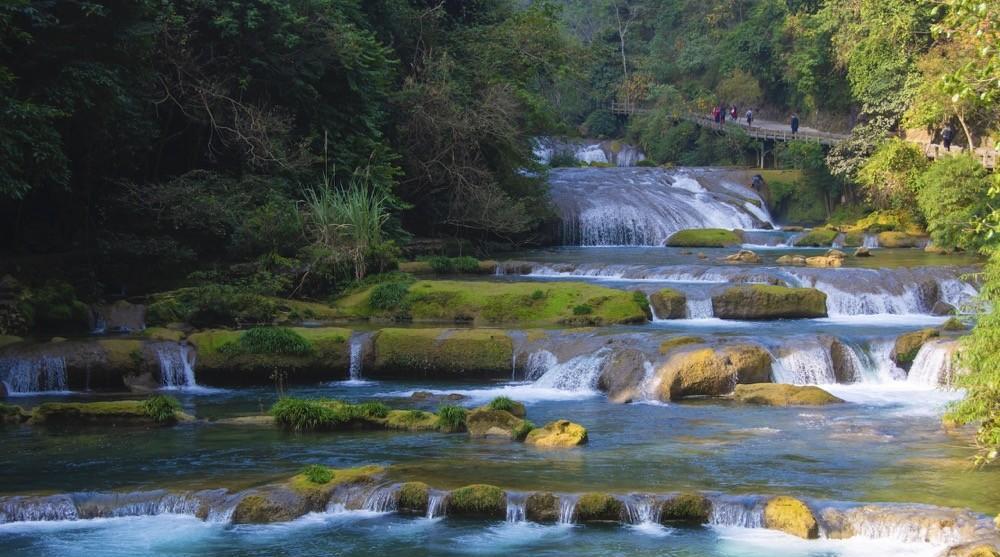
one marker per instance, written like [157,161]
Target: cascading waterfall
[807,364]
[872,361]
[588,151]
[357,360]
[382,500]
[44,374]
[642,509]
[870,241]
[538,363]
[933,365]
[176,366]
[32,509]
[741,512]
[436,504]
[567,510]
[577,374]
[516,507]
[699,308]
[644,206]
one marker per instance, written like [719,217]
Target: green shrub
[388,296]
[642,299]
[563,159]
[371,409]
[601,124]
[502,403]
[521,432]
[317,474]
[646,163]
[451,418]
[441,265]
[465,264]
[269,340]
[211,306]
[954,194]
[537,295]
[583,309]
[162,409]
[306,415]
[55,307]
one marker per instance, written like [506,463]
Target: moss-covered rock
[116,413]
[895,239]
[542,508]
[974,549]
[413,498]
[773,394]
[485,422]
[164,334]
[953,324]
[854,239]
[6,340]
[303,493]
[791,516]
[668,303]
[478,501]
[11,414]
[220,365]
[693,508]
[817,238]
[908,345]
[704,371]
[760,301]
[557,434]
[598,507]
[267,508]
[492,303]
[409,420]
[671,343]
[705,238]
[442,354]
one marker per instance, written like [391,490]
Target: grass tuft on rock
[269,340]
[502,403]
[317,474]
[161,409]
[451,419]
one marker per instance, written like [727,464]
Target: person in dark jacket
[749,118]
[715,114]
[795,124]
[947,134]
[733,115]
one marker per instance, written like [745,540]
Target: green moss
[411,420]
[894,239]
[499,302]
[762,301]
[12,415]
[413,498]
[854,239]
[269,340]
[671,343]
[817,237]
[6,340]
[705,238]
[339,476]
[163,333]
[599,507]
[478,501]
[121,354]
[582,309]
[686,507]
[388,296]
[484,422]
[669,304]
[317,474]
[908,345]
[442,353]
[122,412]
[953,324]
[521,431]
[222,366]
[161,409]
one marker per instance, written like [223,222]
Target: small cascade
[838,242]
[34,375]
[383,499]
[870,241]
[808,364]
[578,374]
[699,309]
[741,512]
[176,366]
[934,363]
[567,509]
[142,503]
[538,363]
[436,504]
[643,509]
[872,362]
[516,508]
[32,509]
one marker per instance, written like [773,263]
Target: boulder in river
[759,301]
[668,303]
[862,252]
[442,354]
[478,501]
[705,371]
[413,498]
[485,422]
[817,238]
[557,435]
[791,260]
[743,256]
[599,507]
[895,239]
[908,345]
[843,363]
[692,508]
[791,516]
[776,394]
[942,308]
[705,238]
[623,375]
[542,508]
[824,261]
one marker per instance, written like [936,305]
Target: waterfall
[31,509]
[588,151]
[436,504]
[933,365]
[644,206]
[643,509]
[140,503]
[808,364]
[515,507]
[871,241]
[699,309]
[176,366]
[538,363]
[567,509]
[577,374]
[838,242]
[34,375]
[382,500]
[872,361]
[357,360]
[741,512]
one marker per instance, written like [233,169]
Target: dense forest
[298,148]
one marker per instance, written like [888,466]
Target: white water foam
[32,376]
[934,363]
[809,364]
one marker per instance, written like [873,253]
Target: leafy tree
[955,196]
[889,177]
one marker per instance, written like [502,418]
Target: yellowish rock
[558,434]
[774,394]
[791,516]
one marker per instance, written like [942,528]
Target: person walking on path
[749,119]
[733,114]
[795,123]
[947,134]
[722,114]
[715,114]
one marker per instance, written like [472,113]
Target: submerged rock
[598,507]
[668,303]
[712,372]
[758,301]
[775,394]
[542,508]
[623,375]
[862,252]
[557,434]
[791,260]
[10,414]
[485,422]
[692,508]
[791,516]
[908,345]
[743,256]
[478,501]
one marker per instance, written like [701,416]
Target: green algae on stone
[557,434]
[117,413]
[705,371]
[907,345]
[542,508]
[484,422]
[441,353]
[414,498]
[668,303]
[705,238]
[817,237]
[12,415]
[478,501]
[671,343]
[774,394]
[761,301]
[598,507]
[692,508]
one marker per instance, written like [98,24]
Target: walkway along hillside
[776,131]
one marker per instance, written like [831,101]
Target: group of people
[719,115]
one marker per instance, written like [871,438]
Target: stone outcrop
[484,422]
[705,371]
[623,375]
[774,394]
[705,238]
[759,301]
[599,507]
[668,304]
[743,256]
[542,508]
[908,345]
[441,354]
[791,516]
[692,508]
[478,501]
[557,435]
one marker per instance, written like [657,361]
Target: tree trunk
[968,135]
